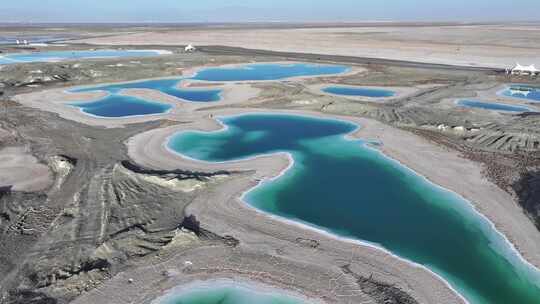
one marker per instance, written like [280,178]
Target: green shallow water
[226,293]
[353,191]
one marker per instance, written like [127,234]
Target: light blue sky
[266,10]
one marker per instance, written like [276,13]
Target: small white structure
[18,41]
[25,42]
[519,69]
[443,127]
[190,49]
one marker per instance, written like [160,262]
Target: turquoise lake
[72,55]
[227,294]
[492,106]
[112,105]
[351,190]
[257,72]
[359,91]
[523,92]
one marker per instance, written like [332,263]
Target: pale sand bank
[22,171]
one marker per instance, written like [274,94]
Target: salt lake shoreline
[463,177]
[458,175]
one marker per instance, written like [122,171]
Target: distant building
[190,49]
[519,69]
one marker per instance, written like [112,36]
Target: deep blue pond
[492,106]
[120,104]
[256,72]
[523,92]
[73,55]
[359,91]
[115,106]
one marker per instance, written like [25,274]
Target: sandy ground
[20,169]
[471,45]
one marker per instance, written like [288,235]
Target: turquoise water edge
[112,105]
[359,91]
[529,93]
[226,293]
[493,106]
[369,197]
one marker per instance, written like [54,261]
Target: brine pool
[350,190]
[115,104]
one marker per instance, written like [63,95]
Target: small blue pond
[73,55]
[254,72]
[359,91]
[116,106]
[523,92]
[492,106]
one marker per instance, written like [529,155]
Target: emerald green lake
[225,292]
[350,190]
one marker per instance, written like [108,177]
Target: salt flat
[494,45]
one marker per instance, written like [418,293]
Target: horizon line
[494,21]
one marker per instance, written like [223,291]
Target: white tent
[525,70]
[190,48]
